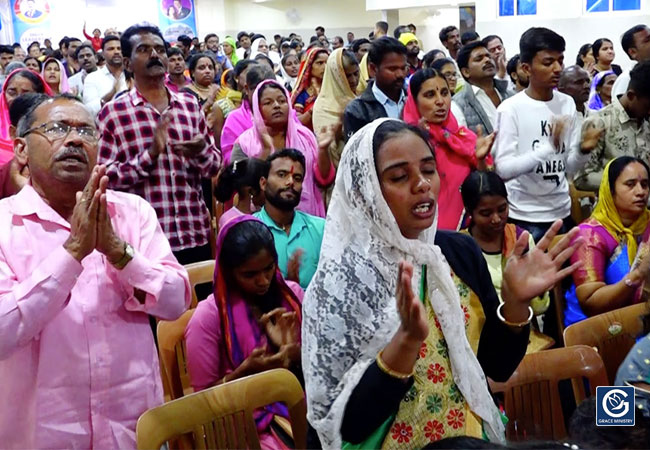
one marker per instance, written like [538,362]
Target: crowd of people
[381,220]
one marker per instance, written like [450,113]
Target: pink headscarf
[6,142]
[64,87]
[455,150]
[298,137]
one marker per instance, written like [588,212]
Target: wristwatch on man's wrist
[126,258]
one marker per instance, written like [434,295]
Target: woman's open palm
[529,275]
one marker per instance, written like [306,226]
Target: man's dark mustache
[71,150]
[153,63]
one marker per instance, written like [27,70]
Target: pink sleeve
[329,179]
[154,269]
[297,290]
[594,254]
[203,342]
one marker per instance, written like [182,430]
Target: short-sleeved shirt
[306,234]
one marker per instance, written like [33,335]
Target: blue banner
[176,17]
[31,19]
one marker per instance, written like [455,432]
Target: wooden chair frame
[222,416]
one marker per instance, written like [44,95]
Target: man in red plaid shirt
[157,144]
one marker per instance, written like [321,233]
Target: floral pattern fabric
[434,408]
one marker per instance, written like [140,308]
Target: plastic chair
[172,352]
[199,273]
[612,333]
[532,397]
[222,416]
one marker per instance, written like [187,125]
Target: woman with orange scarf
[458,149]
[308,84]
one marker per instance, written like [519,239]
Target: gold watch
[126,258]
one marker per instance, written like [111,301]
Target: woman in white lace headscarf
[389,373]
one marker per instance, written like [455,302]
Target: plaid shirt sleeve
[209,160]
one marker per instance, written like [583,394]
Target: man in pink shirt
[80,269]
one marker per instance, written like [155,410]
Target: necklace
[202,91]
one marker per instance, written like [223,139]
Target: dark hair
[256,75]
[415,84]
[244,240]
[399,30]
[73,39]
[392,128]
[618,165]
[511,67]
[100,58]
[383,26]
[27,120]
[291,153]
[464,442]
[16,45]
[239,175]
[184,39]
[275,85]
[40,64]
[320,28]
[276,36]
[478,184]
[64,42]
[357,43]
[430,56]
[581,54]
[462,59]
[194,61]
[208,36]
[314,38]
[382,46]
[243,65]
[489,38]
[627,40]
[286,57]
[412,25]
[109,38]
[595,47]
[348,58]
[469,36]
[125,40]
[640,79]
[230,80]
[583,429]
[35,43]
[438,64]
[241,34]
[174,51]
[257,36]
[6,49]
[80,48]
[538,39]
[339,39]
[266,58]
[37,82]
[444,33]
[23,103]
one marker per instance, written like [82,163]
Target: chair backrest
[532,398]
[222,416]
[171,349]
[613,333]
[578,212]
[198,273]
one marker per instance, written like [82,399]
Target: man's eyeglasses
[54,131]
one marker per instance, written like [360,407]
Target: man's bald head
[575,81]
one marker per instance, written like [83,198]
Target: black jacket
[361,111]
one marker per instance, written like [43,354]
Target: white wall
[565,17]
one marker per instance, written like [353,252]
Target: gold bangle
[513,324]
[388,371]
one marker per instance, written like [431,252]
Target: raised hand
[293,266]
[259,361]
[192,148]
[281,327]
[590,137]
[529,275]
[484,143]
[160,137]
[327,135]
[108,243]
[411,310]
[83,223]
[559,125]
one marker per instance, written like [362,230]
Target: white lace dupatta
[349,309]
